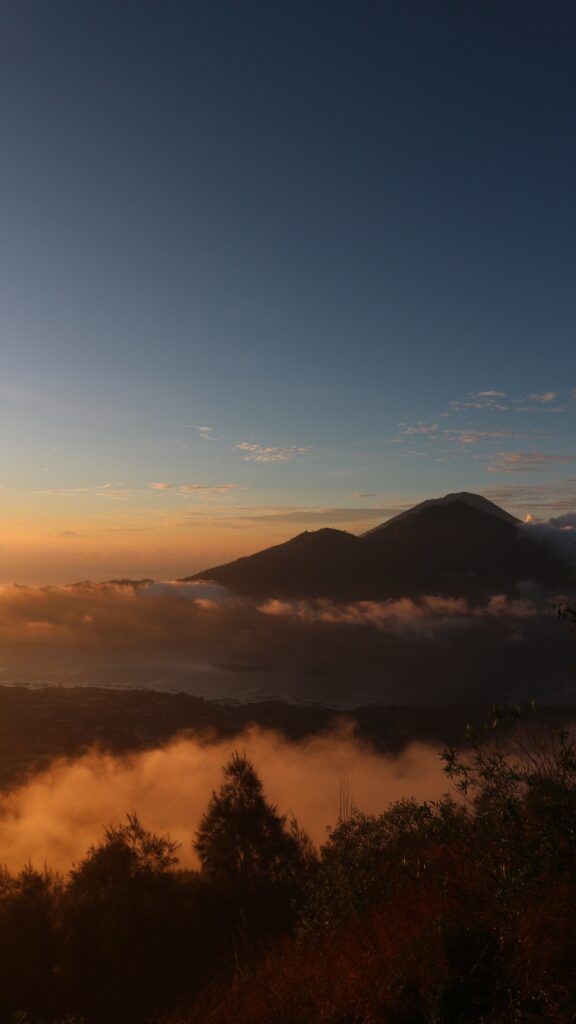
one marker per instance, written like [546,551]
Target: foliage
[458,911]
[255,856]
[121,914]
[521,787]
[29,941]
[126,854]
[360,863]
[242,838]
[447,913]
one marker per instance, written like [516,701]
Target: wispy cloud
[318,516]
[253,452]
[526,462]
[419,429]
[472,413]
[210,488]
[34,399]
[112,491]
[489,401]
[246,516]
[544,397]
[557,496]
[471,437]
[500,401]
[453,435]
[194,488]
[206,433]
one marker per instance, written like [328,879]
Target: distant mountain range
[458,545]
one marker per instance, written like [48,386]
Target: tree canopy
[241,837]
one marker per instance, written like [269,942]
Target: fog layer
[57,815]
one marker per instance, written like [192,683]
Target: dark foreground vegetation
[434,913]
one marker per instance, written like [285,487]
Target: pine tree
[241,837]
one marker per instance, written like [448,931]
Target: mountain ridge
[461,544]
[477,501]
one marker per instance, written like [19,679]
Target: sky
[267,267]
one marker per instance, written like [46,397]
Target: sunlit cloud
[540,498]
[544,397]
[201,489]
[210,488]
[480,403]
[419,428]
[492,400]
[205,639]
[526,462]
[206,433]
[112,491]
[453,435]
[312,515]
[253,452]
[541,408]
[256,516]
[404,616]
[471,437]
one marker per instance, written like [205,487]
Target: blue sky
[341,236]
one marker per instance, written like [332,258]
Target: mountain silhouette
[458,545]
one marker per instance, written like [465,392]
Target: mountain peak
[475,501]
[459,545]
[325,535]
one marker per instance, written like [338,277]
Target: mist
[57,814]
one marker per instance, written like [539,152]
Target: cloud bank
[207,640]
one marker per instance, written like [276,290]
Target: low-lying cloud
[404,617]
[60,812]
[559,533]
[204,639]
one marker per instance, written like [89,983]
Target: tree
[121,906]
[29,941]
[127,854]
[522,792]
[256,862]
[241,837]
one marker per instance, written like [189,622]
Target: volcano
[458,545]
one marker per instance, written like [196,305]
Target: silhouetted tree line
[126,934]
[447,912]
